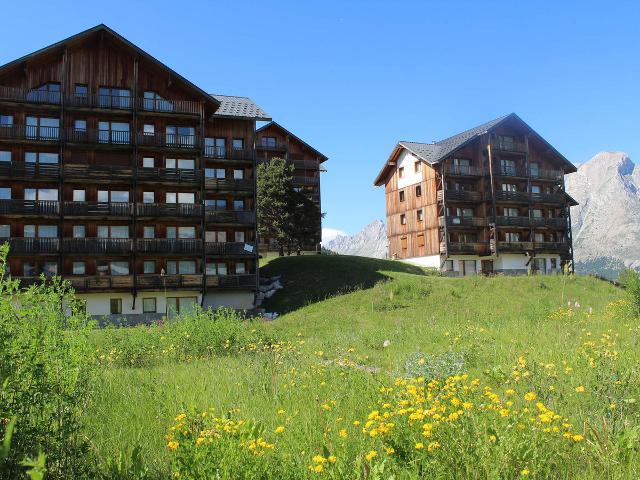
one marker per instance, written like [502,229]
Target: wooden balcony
[23,95]
[526,197]
[260,145]
[559,222]
[464,248]
[517,147]
[113,246]
[300,180]
[100,101]
[29,171]
[516,171]
[169,282]
[29,133]
[33,245]
[229,248]
[100,283]
[94,137]
[231,281]
[522,221]
[463,221]
[185,210]
[103,173]
[169,175]
[543,174]
[241,217]
[514,221]
[459,196]
[168,107]
[229,184]
[98,209]
[39,208]
[300,164]
[169,245]
[227,153]
[169,141]
[516,247]
[464,171]
[551,247]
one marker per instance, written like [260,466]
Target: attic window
[401,172]
[418,190]
[417,167]
[403,219]
[402,195]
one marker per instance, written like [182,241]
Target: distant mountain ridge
[371,242]
[606,224]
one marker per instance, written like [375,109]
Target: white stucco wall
[430,261]
[239,299]
[407,160]
[99,303]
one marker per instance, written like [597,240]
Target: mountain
[606,224]
[371,241]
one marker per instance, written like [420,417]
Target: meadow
[375,369]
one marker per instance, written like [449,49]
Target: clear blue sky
[354,77]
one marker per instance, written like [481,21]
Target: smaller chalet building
[488,200]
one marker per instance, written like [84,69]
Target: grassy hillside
[317,387]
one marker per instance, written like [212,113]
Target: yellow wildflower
[371,455]
[531,396]
[419,446]
[580,389]
[279,429]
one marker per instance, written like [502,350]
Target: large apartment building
[275,141]
[490,199]
[126,179]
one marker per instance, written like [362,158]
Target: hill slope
[371,242]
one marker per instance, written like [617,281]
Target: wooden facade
[274,141]
[107,155]
[498,190]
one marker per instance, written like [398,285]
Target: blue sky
[354,77]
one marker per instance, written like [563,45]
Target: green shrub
[45,373]
[630,279]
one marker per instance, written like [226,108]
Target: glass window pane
[187,164]
[29,231]
[186,197]
[30,157]
[221,173]
[30,193]
[78,268]
[103,231]
[238,174]
[172,267]
[28,269]
[239,236]
[149,232]
[222,268]
[5,193]
[187,304]
[171,232]
[238,143]
[50,269]
[148,162]
[120,231]
[172,306]
[5,231]
[238,204]
[148,197]
[48,194]
[79,195]
[149,305]
[210,269]
[119,268]
[187,232]
[119,196]
[187,267]
[221,236]
[209,172]
[149,266]
[78,231]
[103,196]
[170,162]
[171,197]
[80,125]
[48,231]
[48,158]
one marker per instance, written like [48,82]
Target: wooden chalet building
[126,179]
[275,141]
[490,199]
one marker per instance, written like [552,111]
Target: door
[487,267]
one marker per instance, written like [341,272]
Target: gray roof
[239,107]
[435,152]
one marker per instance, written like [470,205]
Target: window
[402,195]
[418,190]
[47,93]
[461,165]
[183,136]
[419,215]
[241,268]
[417,167]
[80,125]
[239,237]
[29,231]
[79,268]
[79,195]
[5,156]
[43,128]
[509,187]
[78,231]
[5,231]
[113,196]
[216,204]
[448,266]
[553,263]
[238,205]
[148,197]
[511,212]
[540,264]
[148,162]
[534,169]
[403,219]
[149,267]
[215,147]
[536,189]
[238,143]
[536,213]
[119,268]
[512,236]
[40,157]
[401,172]
[115,306]
[149,129]
[539,237]
[182,267]
[238,174]
[50,269]
[268,142]
[469,267]
[81,93]
[218,236]
[507,167]
[113,132]
[464,212]
[41,194]
[113,231]
[219,268]
[420,240]
[114,97]
[6,120]
[153,101]
[28,269]
[149,305]
[5,193]
[506,142]
[180,304]
[214,172]
[149,232]
[180,197]
[181,163]
[47,231]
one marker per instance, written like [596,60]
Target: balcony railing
[229,153]
[169,245]
[98,172]
[231,281]
[99,137]
[463,170]
[469,248]
[229,248]
[169,282]
[169,140]
[45,208]
[93,209]
[300,164]
[261,145]
[515,246]
[463,221]
[99,100]
[559,222]
[513,221]
[30,132]
[501,145]
[544,174]
[33,245]
[525,197]
[509,170]
[169,209]
[229,184]
[29,170]
[551,247]
[459,196]
[174,175]
[23,95]
[300,180]
[164,106]
[98,245]
[100,283]
[230,216]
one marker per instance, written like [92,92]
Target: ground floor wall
[507,263]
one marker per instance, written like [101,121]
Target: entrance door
[487,267]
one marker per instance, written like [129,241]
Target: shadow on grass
[312,278]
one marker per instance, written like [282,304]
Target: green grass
[339,313]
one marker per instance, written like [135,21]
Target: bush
[45,375]
[630,279]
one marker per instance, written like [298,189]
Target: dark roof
[435,152]
[280,127]
[239,107]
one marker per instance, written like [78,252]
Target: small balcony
[247,280]
[101,283]
[185,210]
[551,247]
[39,208]
[224,153]
[229,184]
[169,282]
[30,133]
[272,146]
[513,221]
[463,221]
[300,180]
[459,196]
[300,164]
[241,217]
[100,101]
[164,106]
[559,222]
[169,245]
[98,209]
[95,137]
[33,96]
[463,171]
[105,173]
[515,247]
[30,171]
[169,140]
[112,246]
[229,248]
[514,171]
[33,245]
[169,175]
[464,248]
[507,146]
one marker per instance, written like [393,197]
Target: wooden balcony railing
[99,209]
[45,208]
[169,209]
[29,170]
[463,221]
[23,95]
[300,164]
[471,248]
[169,245]
[30,133]
[229,248]
[515,246]
[99,137]
[551,247]
[229,153]
[509,171]
[559,222]
[263,145]
[169,282]
[100,283]
[230,216]
[520,221]
[33,245]
[463,170]
[244,184]
[98,172]
[173,175]
[501,145]
[459,196]
[300,180]
[98,100]
[247,280]
[169,140]
[166,106]
[98,245]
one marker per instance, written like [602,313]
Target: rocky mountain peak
[371,241]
